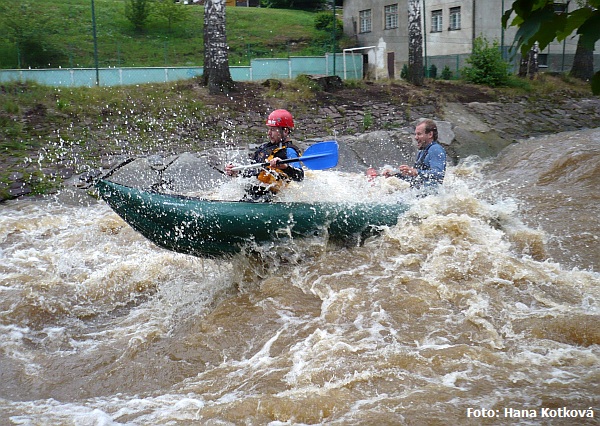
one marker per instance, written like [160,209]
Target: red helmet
[280,118]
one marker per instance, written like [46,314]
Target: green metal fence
[259,69]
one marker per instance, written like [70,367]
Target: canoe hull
[209,228]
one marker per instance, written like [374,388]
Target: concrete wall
[449,42]
[344,66]
[384,41]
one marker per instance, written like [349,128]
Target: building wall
[449,41]
[448,46]
[383,42]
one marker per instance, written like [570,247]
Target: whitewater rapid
[467,307]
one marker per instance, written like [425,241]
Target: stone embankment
[374,132]
[380,133]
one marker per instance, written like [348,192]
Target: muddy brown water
[484,300]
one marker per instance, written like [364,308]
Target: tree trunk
[415,43]
[583,62]
[216,58]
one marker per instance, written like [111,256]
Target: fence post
[95,44]
[457,65]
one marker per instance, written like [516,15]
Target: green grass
[51,124]
[65,26]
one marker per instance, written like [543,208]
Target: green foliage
[537,21]
[170,11]
[522,84]
[64,31]
[294,4]
[486,64]
[353,83]
[446,73]
[404,72]
[367,120]
[305,81]
[62,105]
[138,12]
[324,22]
[277,4]
[432,71]
[26,26]
[65,121]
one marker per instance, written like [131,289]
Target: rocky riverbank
[476,121]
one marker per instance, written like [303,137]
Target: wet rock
[272,83]
[376,149]
[16,176]
[65,172]
[482,144]
[18,189]
[328,83]
[192,172]
[461,117]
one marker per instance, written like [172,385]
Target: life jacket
[273,178]
[420,162]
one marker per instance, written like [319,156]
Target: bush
[404,72]
[486,64]
[324,22]
[446,73]
[432,71]
[137,12]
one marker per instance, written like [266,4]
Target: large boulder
[376,149]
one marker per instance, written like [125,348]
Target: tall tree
[583,62]
[415,43]
[537,21]
[216,57]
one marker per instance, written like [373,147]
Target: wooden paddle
[320,156]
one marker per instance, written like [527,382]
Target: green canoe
[209,228]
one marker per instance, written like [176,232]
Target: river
[481,306]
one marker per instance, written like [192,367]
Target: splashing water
[455,310]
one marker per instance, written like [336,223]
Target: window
[365,21]
[436,21]
[454,18]
[391,16]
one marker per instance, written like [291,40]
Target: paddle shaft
[286,161]
[320,156]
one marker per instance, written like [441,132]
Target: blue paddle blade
[320,156]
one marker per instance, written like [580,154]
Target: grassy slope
[250,32]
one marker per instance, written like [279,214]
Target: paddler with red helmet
[279,147]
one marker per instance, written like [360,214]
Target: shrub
[486,64]
[404,72]
[446,73]
[324,22]
[137,12]
[367,120]
[433,71]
